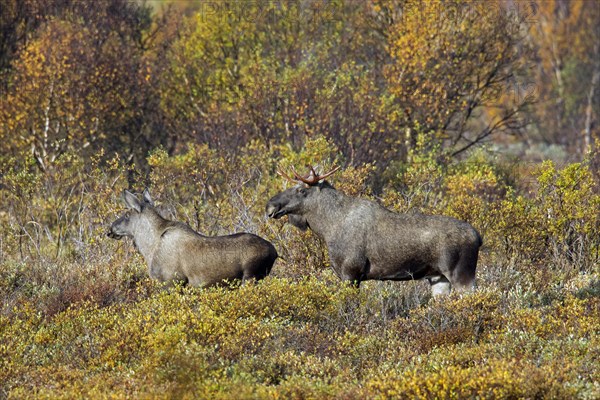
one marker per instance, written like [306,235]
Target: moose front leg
[350,267]
[351,279]
[354,271]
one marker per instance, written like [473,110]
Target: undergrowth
[80,318]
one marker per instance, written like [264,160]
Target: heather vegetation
[484,112]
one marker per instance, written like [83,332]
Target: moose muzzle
[275,210]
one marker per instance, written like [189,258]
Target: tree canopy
[370,76]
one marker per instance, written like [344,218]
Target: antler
[284,175]
[311,179]
[321,177]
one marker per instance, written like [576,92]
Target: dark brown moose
[367,241]
[175,252]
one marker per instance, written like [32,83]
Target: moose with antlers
[367,241]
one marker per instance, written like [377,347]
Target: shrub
[81,318]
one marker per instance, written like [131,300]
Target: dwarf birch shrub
[567,199]
[83,319]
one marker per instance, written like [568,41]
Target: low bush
[80,317]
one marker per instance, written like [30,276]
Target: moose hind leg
[251,277]
[440,285]
[256,269]
[463,276]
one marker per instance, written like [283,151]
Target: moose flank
[175,252]
[367,241]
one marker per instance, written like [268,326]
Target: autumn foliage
[483,111]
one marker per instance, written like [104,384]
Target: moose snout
[111,234]
[271,209]
[274,210]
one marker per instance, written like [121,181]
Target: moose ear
[147,197]
[131,201]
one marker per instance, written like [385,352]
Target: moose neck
[325,210]
[147,234]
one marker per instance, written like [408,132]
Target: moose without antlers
[175,252]
[367,241]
